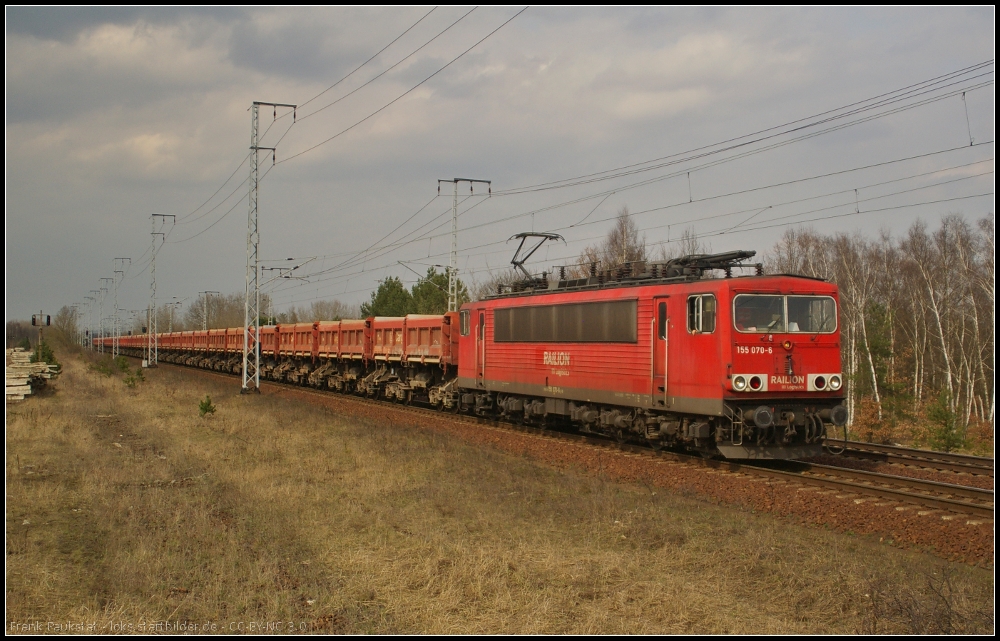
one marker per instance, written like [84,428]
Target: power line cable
[744,211]
[405,93]
[936,79]
[714,163]
[411,54]
[355,70]
[358,68]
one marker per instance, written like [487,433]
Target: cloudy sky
[731,124]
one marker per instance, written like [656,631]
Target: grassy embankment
[125,506]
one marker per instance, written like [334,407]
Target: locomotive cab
[783,386]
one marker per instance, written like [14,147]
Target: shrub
[44,355]
[206,407]
[133,378]
[102,367]
[945,434]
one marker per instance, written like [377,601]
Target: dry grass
[124,506]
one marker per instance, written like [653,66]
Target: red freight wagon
[413,356]
[341,352]
[387,339]
[305,339]
[328,340]
[429,339]
[299,355]
[216,340]
[268,336]
[354,343]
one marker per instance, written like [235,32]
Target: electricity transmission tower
[151,337]
[104,294]
[116,332]
[90,319]
[251,307]
[453,263]
[204,321]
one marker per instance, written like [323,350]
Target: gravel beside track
[956,537]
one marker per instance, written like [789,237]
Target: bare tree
[320,310]
[688,244]
[65,321]
[917,316]
[621,246]
[224,310]
[493,282]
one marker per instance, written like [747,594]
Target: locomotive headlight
[835,382]
[756,382]
[739,383]
[820,382]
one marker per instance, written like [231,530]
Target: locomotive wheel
[619,435]
[654,444]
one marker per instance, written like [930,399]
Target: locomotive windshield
[758,313]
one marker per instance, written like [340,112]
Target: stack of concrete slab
[23,376]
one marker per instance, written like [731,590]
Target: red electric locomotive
[746,367]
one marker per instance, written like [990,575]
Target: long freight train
[676,353]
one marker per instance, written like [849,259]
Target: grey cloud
[65,23]
[323,44]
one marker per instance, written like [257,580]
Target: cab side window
[463,322]
[701,314]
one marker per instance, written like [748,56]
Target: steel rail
[927,463]
[983,462]
[950,505]
[921,485]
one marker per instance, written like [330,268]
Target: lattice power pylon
[116,330]
[152,341]
[453,263]
[251,315]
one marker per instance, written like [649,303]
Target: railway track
[908,491]
[978,465]
[946,496]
